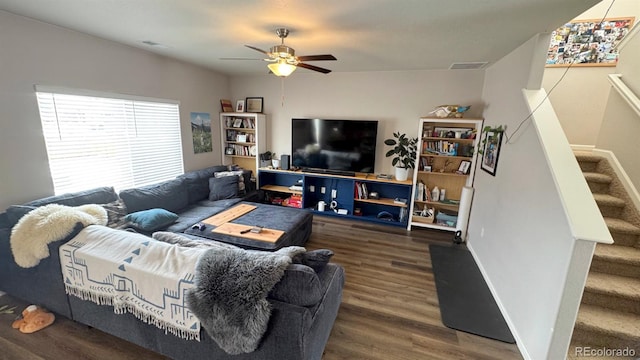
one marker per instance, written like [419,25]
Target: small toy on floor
[34,318]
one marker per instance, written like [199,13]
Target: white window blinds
[107,141]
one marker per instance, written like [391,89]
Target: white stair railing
[627,94]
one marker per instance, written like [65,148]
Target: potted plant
[403,153]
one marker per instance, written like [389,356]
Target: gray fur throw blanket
[46,224]
[230,294]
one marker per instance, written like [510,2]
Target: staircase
[609,314]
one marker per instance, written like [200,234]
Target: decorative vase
[402,174]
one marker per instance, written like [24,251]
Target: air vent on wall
[468,65]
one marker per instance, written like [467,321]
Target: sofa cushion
[239,174]
[151,220]
[223,188]
[170,195]
[16,212]
[315,259]
[116,212]
[197,182]
[300,285]
[100,195]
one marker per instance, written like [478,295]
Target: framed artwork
[240,106]
[491,151]
[201,132]
[254,104]
[464,167]
[226,105]
[587,42]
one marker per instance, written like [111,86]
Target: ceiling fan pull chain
[282,89]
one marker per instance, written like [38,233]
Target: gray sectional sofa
[305,302]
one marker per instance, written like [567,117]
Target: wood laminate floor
[389,308]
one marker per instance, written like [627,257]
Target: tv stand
[329,172]
[350,193]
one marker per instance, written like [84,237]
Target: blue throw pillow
[223,188]
[152,219]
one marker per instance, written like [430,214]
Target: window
[109,140]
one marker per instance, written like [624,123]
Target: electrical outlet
[323,190]
[312,188]
[334,193]
[482,232]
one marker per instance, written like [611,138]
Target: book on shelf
[400,201]
[361,191]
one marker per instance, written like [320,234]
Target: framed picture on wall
[589,42]
[491,151]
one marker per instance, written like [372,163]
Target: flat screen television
[334,145]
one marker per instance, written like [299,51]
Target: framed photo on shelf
[464,167]
[240,106]
[237,123]
[229,150]
[254,104]
[226,105]
[491,151]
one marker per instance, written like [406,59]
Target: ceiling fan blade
[241,59]
[314,68]
[316,57]
[256,49]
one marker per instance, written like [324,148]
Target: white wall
[621,125]
[397,99]
[518,230]
[581,97]
[36,53]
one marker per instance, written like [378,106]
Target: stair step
[598,183]
[603,327]
[613,292]
[609,205]
[616,260]
[585,156]
[620,286]
[621,226]
[619,254]
[587,161]
[609,200]
[597,177]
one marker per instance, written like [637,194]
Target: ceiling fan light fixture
[281,68]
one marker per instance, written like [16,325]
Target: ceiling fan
[284,60]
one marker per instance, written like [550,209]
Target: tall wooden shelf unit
[244,138]
[443,144]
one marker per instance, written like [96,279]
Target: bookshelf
[349,195]
[446,160]
[243,139]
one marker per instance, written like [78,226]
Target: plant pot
[402,174]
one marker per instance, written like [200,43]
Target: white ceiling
[365,35]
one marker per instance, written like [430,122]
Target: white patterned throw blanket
[134,274]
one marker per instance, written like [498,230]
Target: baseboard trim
[578,147]
[507,319]
[622,176]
